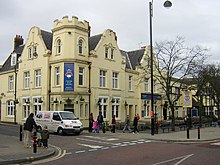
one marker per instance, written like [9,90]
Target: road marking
[216,144]
[102,138]
[90,146]
[92,150]
[182,158]
[89,140]
[77,152]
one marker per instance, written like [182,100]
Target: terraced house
[67,69]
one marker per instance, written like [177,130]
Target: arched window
[58,46]
[80,46]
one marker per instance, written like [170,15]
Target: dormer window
[112,53]
[58,46]
[80,44]
[29,53]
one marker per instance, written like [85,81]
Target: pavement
[12,150]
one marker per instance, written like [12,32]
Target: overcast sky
[198,21]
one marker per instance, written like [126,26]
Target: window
[26,107]
[103,106]
[26,80]
[10,108]
[30,53]
[57,76]
[81,76]
[11,83]
[35,51]
[115,107]
[37,78]
[37,105]
[58,46]
[106,52]
[146,107]
[112,53]
[80,46]
[146,89]
[102,78]
[130,83]
[115,80]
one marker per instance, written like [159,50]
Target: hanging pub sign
[187,99]
[68,77]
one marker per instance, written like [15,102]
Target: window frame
[11,83]
[81,76]
[57,76]
[80,46]
[10,108]
[59,46]
[115,80]
[27,80]
[102,78]
[37,78]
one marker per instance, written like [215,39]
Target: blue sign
[145,96]
[68,77]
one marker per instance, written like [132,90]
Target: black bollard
[187,130]
[35,142]
[20,132]
[198,132]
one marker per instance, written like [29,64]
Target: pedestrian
[95,126]
[39,136]
[45,137]
[127,124]
[113,124]
[91,120]
[138,117]
[100,121]
[135,124]
[28,128]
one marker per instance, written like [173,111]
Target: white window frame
[10,108]
[106,52]
[115,79]
[58,44]
[112,53]
[115,107]
[38,78]
[103,106]
[29,52]
[27,80]
[81,76]
[102,78]
[129,83]
[57,76]
[26,107]
[80,46]
[146,85]
[37,106]
[11,83]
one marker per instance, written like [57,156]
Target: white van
[60,122]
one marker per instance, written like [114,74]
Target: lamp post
[167,4]
[14,62]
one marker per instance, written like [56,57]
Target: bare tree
[173,62]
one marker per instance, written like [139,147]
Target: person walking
[113,124]
[91,120]
[28,128]
[127,124]
[100,121]
[45,137]
[135,124]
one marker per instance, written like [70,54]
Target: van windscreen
[67,116]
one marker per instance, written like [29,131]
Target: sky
[198,21]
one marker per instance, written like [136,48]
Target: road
[127,149]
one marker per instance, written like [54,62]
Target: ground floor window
[26,107]
[103,106]
[10,108]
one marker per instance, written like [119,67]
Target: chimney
[18,40]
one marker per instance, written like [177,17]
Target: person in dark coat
[135,124]
[91,120]
[100,120]
[28,128]
[113,124]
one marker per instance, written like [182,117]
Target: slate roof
[135,57]
[7,65]
[47,38]
[93,41]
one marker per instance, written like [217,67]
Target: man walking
[127,124]
[28,127]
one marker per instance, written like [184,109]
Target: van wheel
[60,131]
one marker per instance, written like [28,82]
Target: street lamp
[14,61]
[167,4]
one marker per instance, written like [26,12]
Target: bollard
[20,132]
[187,130]
[35,142]
[198,132]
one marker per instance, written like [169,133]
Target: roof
[93,41]
[47,38]
[135,57]
[7,65]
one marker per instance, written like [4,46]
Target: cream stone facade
[72,71]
